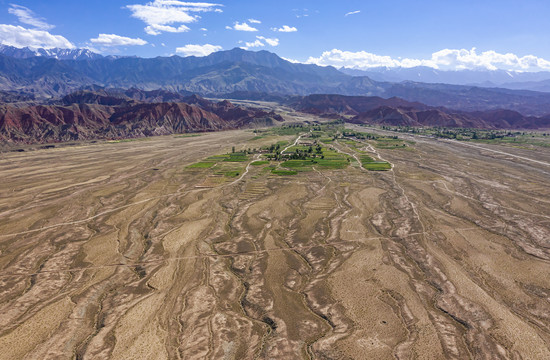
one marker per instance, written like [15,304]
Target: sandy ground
[117,251]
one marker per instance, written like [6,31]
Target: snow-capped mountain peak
[54,53]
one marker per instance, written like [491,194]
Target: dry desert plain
[119,250]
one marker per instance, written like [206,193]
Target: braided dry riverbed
[119,251]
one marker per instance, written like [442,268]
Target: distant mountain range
[37,79]
[536,81]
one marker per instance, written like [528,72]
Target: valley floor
[120,251]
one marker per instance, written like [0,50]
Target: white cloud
[270,41]
[20,37]
[360,59]
[249,45]
[446,59]
[241,27]
[353,13]
[159,29]
[198,50]
[291,60]
[491,60]
[27,16]
[116,40]
[285,28]
[254,21]
[203,29]
[160,15]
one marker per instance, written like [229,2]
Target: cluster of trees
[308,153]
[303,156]
[312,152]
[365,136]
[274,147]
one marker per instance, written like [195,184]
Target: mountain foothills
[399,112]
[133,113]
[103,115]
[61,95]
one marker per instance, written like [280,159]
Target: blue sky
[444,34]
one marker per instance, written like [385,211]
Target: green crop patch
[232,173]
[377,166]
[299,164]
[365,159]
[332,164]
[202,165]
[237,157]
[259,163]
[257,138]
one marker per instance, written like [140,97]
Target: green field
[371,164]
[377,166]
[259,137]
[283,172]
[299,165]
[333,163]
[202,165]
[259,163]
[232,173]
[299,158]
[236,157]
[228,165]
[365,159]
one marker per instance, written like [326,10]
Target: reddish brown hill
[99,97]
[109,116]
[408,117]
[53,123]
[238,115]
[436,117]
[509,119]
[398,112]
[166,118]
[386,115]
[322,104]
[495,119]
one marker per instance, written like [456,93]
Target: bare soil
[119,251]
